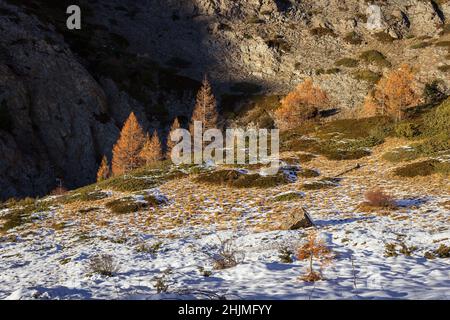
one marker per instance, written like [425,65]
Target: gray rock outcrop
[65,95]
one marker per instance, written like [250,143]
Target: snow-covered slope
[173,246]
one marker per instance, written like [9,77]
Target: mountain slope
[64,95]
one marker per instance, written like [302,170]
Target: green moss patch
[423,168]
[368,76]
[375,57]
[289,196]
[401,154]
[353,38]
[246,109]
[130,205]
[322,32]
[20,213]
[86,195]
[347,62]
[384,37]
[324,183]
[237,179]
[331,149]
[421,45]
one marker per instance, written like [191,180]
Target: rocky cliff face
[59,115]
[64,95]
[275,44]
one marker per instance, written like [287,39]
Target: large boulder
[298,219]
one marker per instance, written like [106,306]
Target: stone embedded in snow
[297,220]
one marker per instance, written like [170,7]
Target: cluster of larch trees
[135,149]
[392,96]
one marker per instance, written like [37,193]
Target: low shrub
[332,149]
[353,38]
[443,251]
[88,210]
[128,184]
[322,31]
[59,191]
[347,62]
[407,130]
[423,168]
[379,127]
[152,249]
[405,250]
[12,220]
[332,71]
[20,212]
[153,201]
[285,255]
[384,37]
[390,250]
[336,153]
[378,198]
[161,285]
[375,57]
[367,75]
[421,45]
[278,44]
[236,179]
[85,195]
[130,205]
[324,183]
[434,145]
[103,265]
[124,206]
[227,256]
[401,154]
[436,126]
[443,168]
[290,196]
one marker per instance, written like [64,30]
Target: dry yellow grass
[209,206]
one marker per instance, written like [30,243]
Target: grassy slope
[427,131]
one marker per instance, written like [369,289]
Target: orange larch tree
[396,92]
[302,104]
[170,144]
[128,147]
[314,248]
[151,151]
[104,171]
[205,109]
[370,107]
